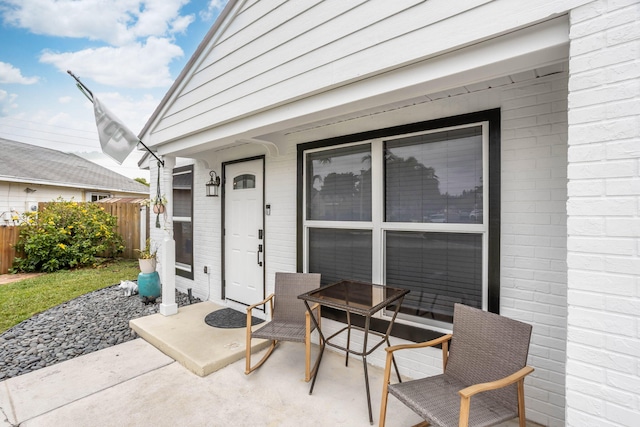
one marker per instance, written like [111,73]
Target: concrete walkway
[136,384]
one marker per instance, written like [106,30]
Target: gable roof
[20,162]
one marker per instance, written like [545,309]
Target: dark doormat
[229,318]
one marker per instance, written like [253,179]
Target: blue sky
[128,52]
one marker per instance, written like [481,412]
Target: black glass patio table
[360,298]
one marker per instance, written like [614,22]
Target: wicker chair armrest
[264,301]
[493,385]
[430,343]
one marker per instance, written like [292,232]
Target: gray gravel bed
[89,323]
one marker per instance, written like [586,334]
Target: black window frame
[493,117]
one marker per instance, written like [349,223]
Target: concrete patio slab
[170,395]
[186,338]
[136,384]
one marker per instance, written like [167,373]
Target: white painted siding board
[449,70]
[237,64]
[371,21]
[256,39]
[291,50]
[382,55]
[504,16]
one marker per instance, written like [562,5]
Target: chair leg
[465,406]
[248,368]
[307,358]
[308,371]
[521,415]
[248,344]
[385,389]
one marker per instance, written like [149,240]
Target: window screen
[339,184]
[439,269]
[340,254]
[434,177]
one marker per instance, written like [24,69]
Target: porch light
[213,184]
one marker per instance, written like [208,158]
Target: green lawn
[21,300]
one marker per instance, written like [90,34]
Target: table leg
[346,356]
[364,364]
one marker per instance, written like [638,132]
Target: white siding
[14,198]
[603,345]
[272,52]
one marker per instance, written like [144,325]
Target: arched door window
[244,181]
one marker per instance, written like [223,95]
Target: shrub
[66,234]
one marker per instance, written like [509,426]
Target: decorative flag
[116,139]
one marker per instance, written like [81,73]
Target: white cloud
[7,102]
[133,66]
[10,74]
[181,23]
[117,22]
[65,99]
[212,9]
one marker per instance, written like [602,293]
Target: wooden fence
[8,238]
[128,215]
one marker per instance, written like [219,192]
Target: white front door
[244,231]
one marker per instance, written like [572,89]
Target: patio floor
[204,350]
[135,384]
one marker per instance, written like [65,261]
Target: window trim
[185,270]
[99,196]
[494,188]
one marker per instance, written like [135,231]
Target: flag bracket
[86,92]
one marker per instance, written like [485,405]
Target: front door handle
[259,252]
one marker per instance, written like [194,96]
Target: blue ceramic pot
[149,285]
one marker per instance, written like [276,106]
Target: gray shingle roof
[29,163]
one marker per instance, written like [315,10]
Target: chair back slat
[486,347]
[287,306]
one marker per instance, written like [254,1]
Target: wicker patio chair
[486,361]
[290,320]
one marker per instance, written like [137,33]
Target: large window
[407,207]
[183,220]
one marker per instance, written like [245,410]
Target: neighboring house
[30,174]
[477,151]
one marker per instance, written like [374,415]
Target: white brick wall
[533,270]
[603,343]
[280,226]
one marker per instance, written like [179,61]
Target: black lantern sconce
[213,184]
